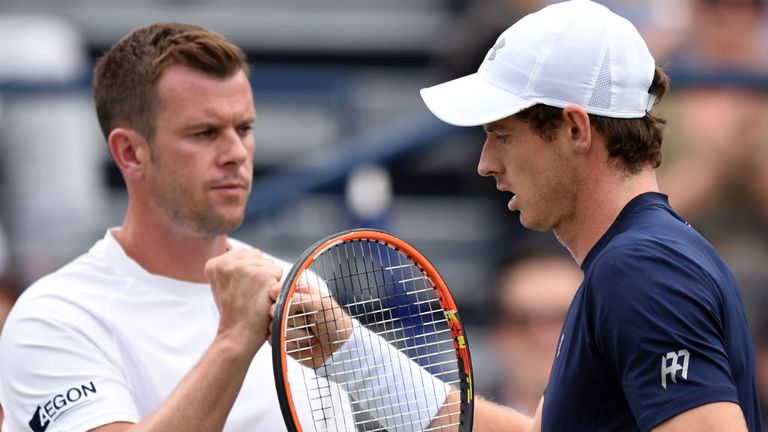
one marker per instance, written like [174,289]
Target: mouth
[230,186]
[502,188]
[233,183]
[512,203]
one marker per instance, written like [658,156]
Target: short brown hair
[125,77]
[634,143]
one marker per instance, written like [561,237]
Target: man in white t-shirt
[162,325]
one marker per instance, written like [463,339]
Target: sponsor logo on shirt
[673,362]
[59,404]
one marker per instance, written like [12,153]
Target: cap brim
[471,101]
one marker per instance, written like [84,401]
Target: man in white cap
[656,337]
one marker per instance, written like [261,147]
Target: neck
[597,207]
[164,249]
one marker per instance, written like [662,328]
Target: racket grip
[394,390]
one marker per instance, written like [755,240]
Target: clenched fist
[240,280]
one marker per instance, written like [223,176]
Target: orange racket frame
[279,355]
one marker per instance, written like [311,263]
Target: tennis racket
[366,337]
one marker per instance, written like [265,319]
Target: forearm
[492,417]
[488,416]
[203,399]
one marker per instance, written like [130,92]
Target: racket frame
[444,297]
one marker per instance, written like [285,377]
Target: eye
[245,130]
[207,133]
[506,139]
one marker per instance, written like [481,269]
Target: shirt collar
[623,221]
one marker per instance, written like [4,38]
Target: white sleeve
[59,370]
[397,392]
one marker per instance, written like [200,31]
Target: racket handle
[399,393]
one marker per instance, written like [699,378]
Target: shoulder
[76,297]
[659,233]
[87,277]
[674,254]
[640,291]
[654,277]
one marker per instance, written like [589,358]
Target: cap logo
[499,45]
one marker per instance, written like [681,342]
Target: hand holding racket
[370,315]
[317,325]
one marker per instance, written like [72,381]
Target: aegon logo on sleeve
[57,405]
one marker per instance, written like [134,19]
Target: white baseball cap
[574,52]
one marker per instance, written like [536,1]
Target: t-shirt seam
[101,418]
[683,404]
[648,242]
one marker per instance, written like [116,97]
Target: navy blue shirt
[656,328]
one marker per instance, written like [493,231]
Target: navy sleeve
[657,323]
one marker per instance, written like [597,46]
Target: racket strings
[402,350]
[401,398]
[390,295]
[380,309]
[412,423]
[409,268]
[436,319]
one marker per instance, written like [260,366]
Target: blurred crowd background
[343,140]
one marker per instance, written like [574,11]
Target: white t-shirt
[101,340]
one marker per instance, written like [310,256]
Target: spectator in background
[718,133]
[535,286]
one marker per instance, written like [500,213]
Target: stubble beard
[178,202]
[546,212]
[201,219]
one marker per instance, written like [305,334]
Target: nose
[486,166]
[236,148]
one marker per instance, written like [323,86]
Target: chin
[219,224]
[231,224]
[533,224]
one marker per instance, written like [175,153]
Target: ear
[130,150]
[579,132]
